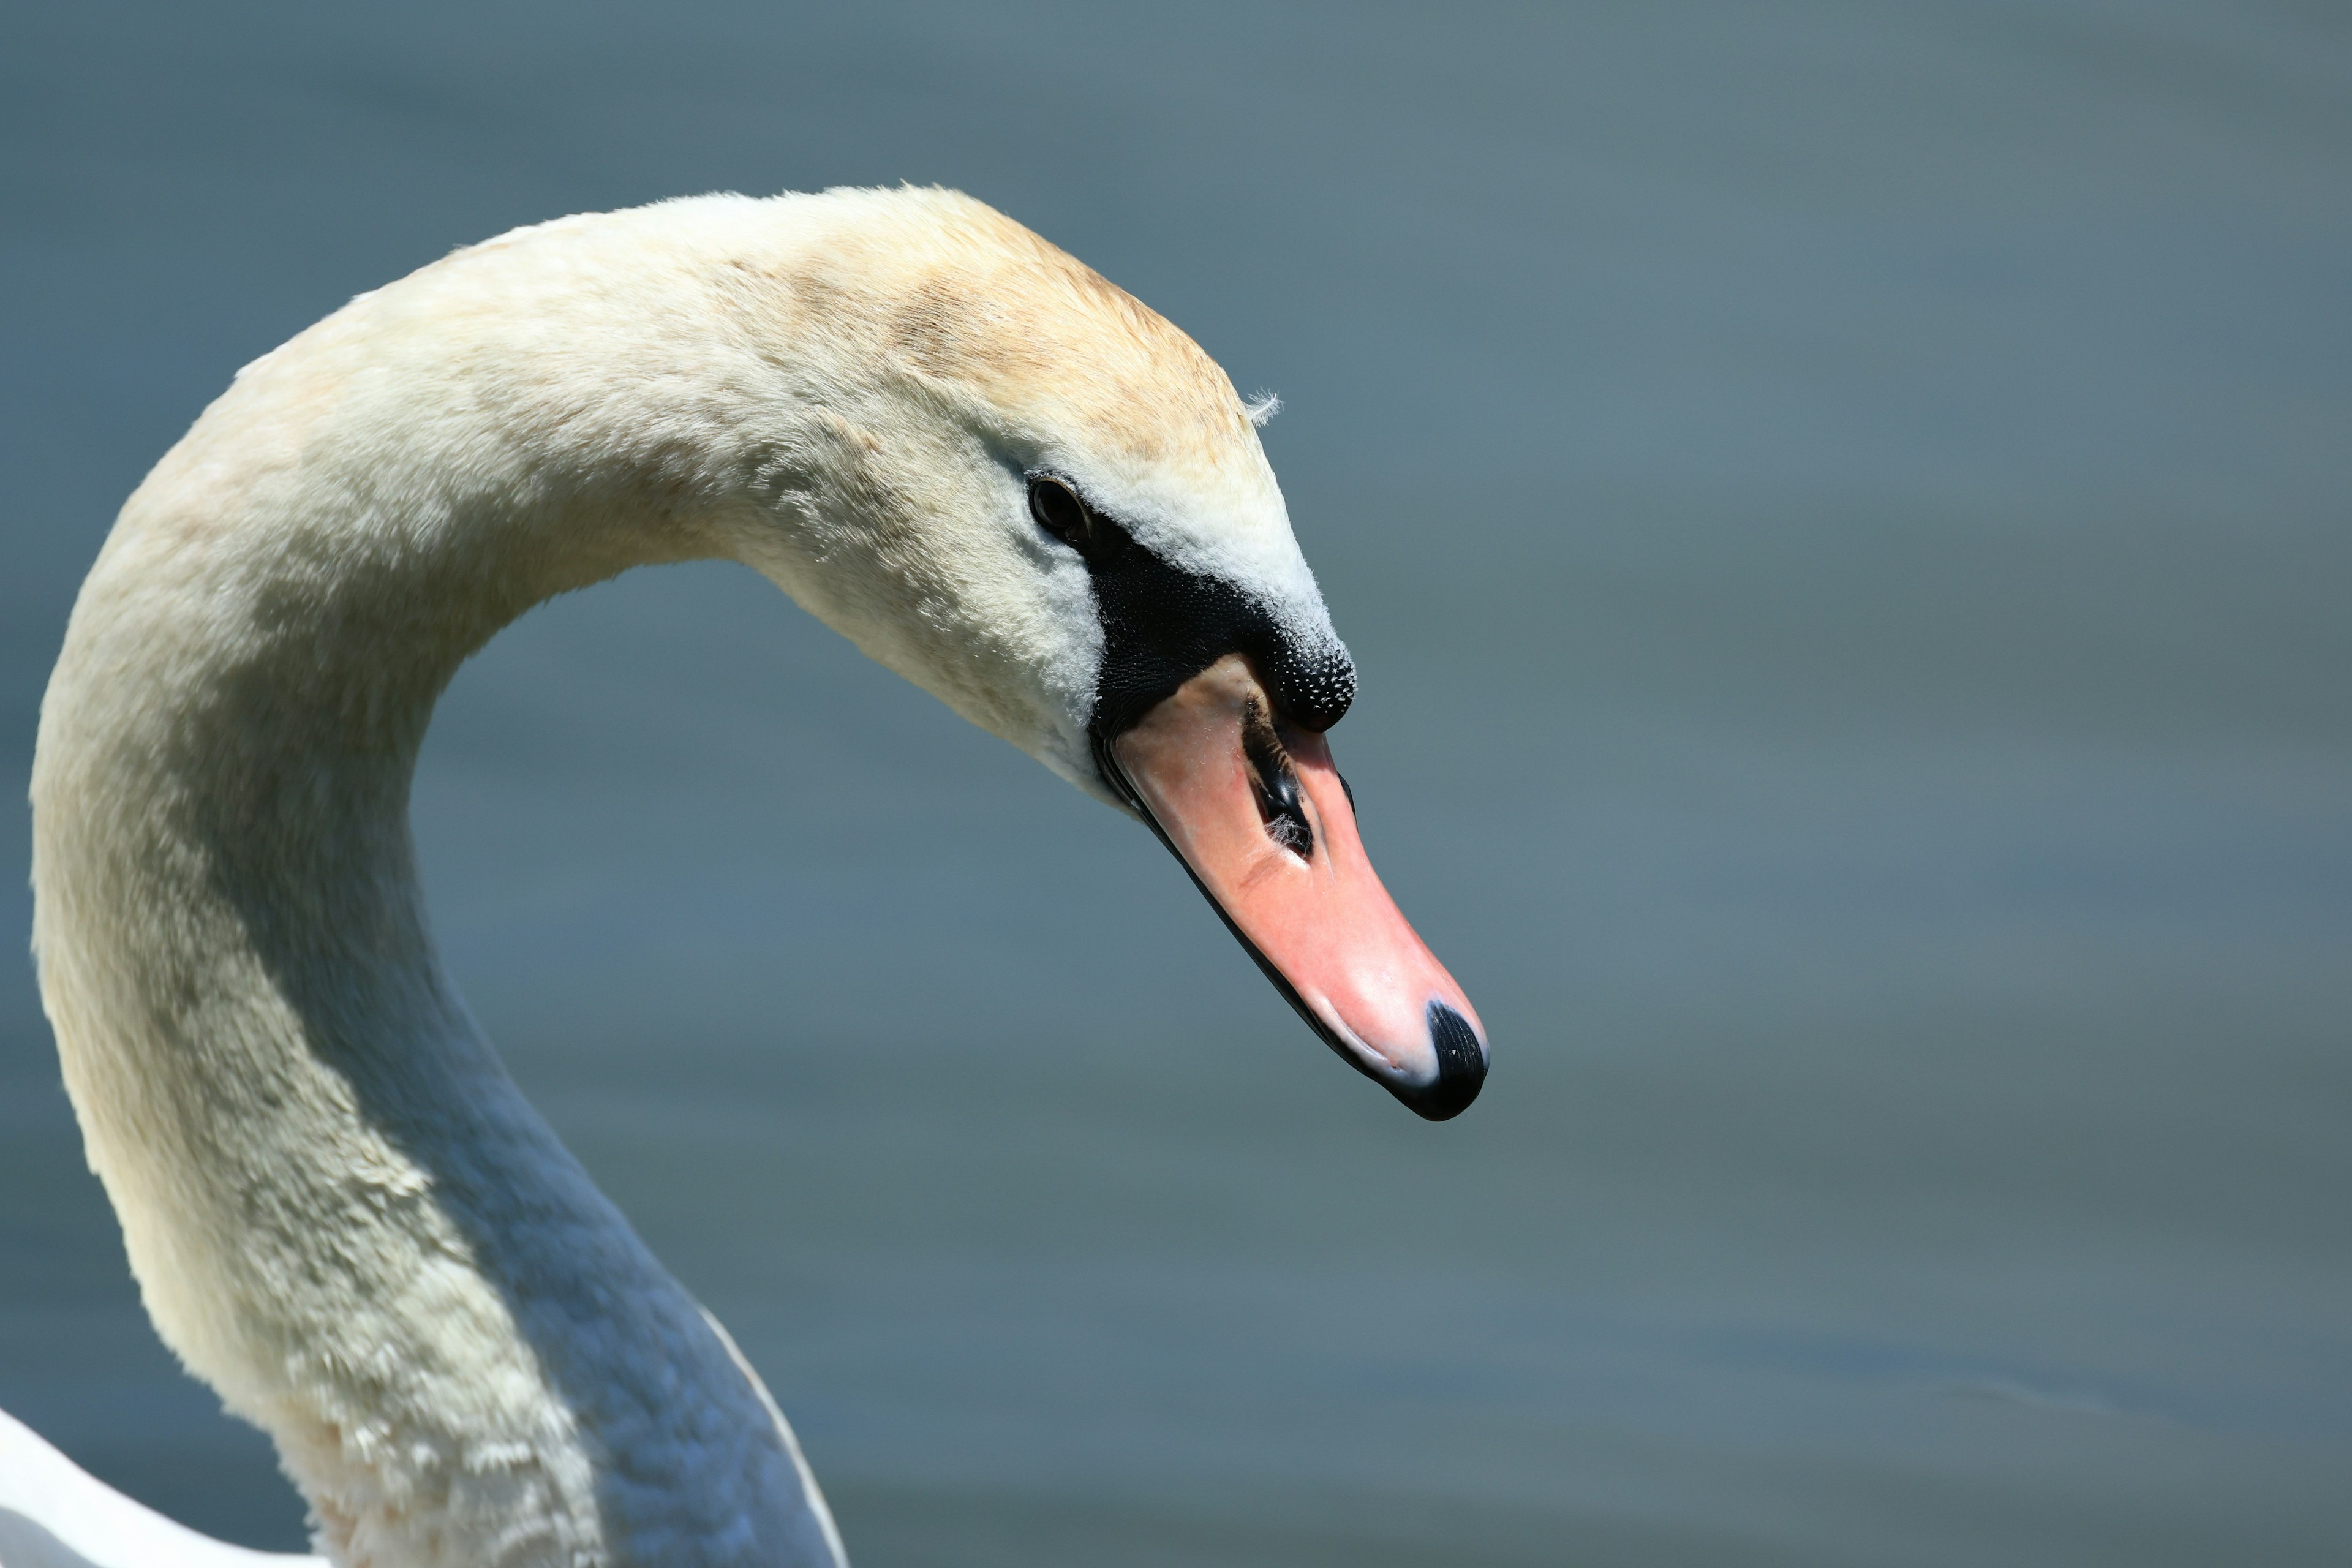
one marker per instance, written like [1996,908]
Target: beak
[1261,818]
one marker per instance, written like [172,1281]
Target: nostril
[1286,818]
[1280,802]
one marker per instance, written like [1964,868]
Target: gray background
[1843,514]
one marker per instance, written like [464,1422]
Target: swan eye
[1060,512]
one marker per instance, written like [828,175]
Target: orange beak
[1261,818]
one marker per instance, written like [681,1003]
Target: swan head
[1009,480]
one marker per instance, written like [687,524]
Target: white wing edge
[55,1514]
[809,1489]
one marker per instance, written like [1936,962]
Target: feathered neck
[341,1212]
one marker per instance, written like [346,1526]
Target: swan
[995,472]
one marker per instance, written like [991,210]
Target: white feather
[341,1214]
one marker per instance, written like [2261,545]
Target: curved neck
[340,1212]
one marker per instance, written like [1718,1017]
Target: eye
[1060,512]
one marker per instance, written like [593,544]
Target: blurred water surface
[1843,514]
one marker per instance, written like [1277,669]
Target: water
[1841,512]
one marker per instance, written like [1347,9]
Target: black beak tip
[1461,1067]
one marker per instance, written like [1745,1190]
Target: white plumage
[339,1209]
[341,1214]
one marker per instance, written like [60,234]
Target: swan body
[52,1515]
[957,446]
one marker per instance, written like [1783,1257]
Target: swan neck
[341,1212]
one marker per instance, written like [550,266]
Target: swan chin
[1250,804]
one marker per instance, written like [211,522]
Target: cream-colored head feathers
[848,391]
